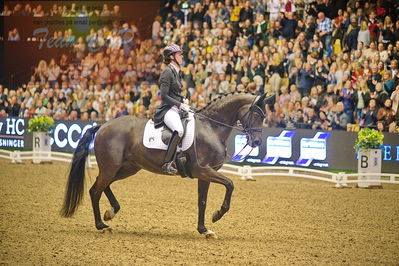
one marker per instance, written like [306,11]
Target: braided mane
[223,96]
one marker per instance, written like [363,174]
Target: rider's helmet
[170,50]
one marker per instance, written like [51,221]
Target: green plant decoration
[41,124]
[368,138]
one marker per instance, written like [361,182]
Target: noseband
[247,126]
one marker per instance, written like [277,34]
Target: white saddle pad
[152,136]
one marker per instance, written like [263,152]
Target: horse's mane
[220,96]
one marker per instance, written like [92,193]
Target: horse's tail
[75,185]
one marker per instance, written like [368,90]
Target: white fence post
[341,180]
[16,157]
[246,173]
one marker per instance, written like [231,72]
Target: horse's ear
[260,101]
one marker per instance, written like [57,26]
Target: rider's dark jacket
[170,86]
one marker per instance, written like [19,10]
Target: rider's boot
[169,166]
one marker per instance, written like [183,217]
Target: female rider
[168,113]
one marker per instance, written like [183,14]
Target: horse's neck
[225,110]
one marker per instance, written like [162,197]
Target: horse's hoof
[210,234]
[215,217]
[109,214]
[107,230]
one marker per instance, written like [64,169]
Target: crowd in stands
[332,64]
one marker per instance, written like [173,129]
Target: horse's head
[251,118]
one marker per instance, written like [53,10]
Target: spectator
[14,35]
[288,24]
[306,80]
[38,11]
[53,72]
[380,95]
[395,100]
[324,29]
[386,114]
[340,118]
[364,34]
[361,98]
[105,11]
[310,119]
[156,27]
[79,49]
[6,11]
[246,12]
[346,96]
[177,14]
[276,72]
[13,108]
[274,9]
[27,10]
[369,115]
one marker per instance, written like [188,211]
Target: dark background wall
[17,59]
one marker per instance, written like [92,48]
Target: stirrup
[169,168]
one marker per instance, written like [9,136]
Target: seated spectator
[13,108]
[310,119]
[284,96]
[387,81]
[294,93]
[322,122]
[14,35]
[380,95]
[386,114]
[6,11]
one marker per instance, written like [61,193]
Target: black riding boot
[169,166]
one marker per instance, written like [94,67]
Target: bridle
[246,128]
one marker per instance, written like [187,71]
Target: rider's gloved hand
[185,107]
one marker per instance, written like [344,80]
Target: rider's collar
[176,68]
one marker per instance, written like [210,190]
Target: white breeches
[172,121]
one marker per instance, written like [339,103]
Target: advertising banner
[13,133]
[64,138]
[313,149]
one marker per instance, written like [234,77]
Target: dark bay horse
[120,153]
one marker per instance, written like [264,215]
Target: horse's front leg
[203,187]
[210,175]
[228,183]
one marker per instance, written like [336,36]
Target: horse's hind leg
[102,182]
[115,207]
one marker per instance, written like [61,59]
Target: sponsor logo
[68,136]
[12,132]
